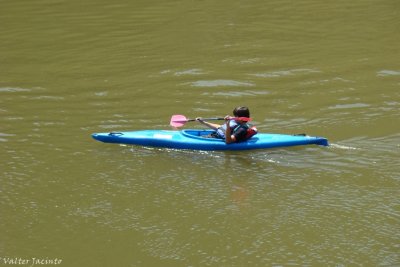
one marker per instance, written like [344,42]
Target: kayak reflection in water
[235,129]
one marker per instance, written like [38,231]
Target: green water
[72,68]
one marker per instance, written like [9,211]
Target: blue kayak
[199,140]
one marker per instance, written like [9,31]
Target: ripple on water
[349,106]
[3,137]
[14,89]
[241,93]
[384,73]
[217,83]
[284,73]
[189,72]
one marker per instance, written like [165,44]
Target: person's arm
[229,138]
[209,125]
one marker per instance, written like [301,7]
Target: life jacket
[250,130]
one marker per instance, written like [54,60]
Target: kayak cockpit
[201,134]
[207,135]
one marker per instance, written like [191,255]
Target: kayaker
[234,129]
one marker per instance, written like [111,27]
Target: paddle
[180,120]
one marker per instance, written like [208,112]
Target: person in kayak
[235,129]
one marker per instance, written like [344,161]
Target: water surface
[71,68]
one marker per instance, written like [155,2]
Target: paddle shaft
[180,120]
[207,119]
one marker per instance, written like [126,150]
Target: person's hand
[227,118]
[199,119]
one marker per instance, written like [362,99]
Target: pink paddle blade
[178,121]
